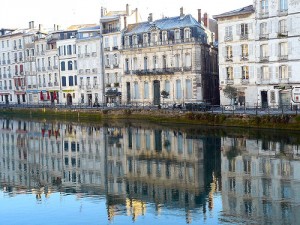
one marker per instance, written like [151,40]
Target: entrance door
[18,99]
[156,92]
[128,92]
[69,99]
[6,99]
[264,99]
[285,98]
[89,99]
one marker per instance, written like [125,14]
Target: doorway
[264,99]
[18,99]
[69,99]
[6,99]
[128,92]
[90,99]
[156,92]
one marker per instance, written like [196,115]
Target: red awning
[48,95]
[54,95]
[42,96]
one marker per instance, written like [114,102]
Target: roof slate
[163,24]
[244,10]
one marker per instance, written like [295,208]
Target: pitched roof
[163,24]
[245,10]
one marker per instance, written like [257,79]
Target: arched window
[188,88]
[63,66]
[164,62]
[178,90]
[70,65]
[187,33]
[145,63]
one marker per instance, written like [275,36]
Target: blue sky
[16,13]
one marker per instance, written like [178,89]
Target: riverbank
[290,122]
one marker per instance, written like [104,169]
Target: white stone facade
[273,55]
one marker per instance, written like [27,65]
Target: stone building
[90,76]
[173,54]
[112,25]
[259,53]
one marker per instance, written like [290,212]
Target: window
[228,31]
[146,90]
[245,72]
[145,63]
[282,27]
[263,28]
[244,29]
[229,73]
[229,52]
[177,34]
[107,61]
[136,90]
[244,50]
[127,42]
[154,37]
[264,51]
[188,61]
[164,36]
[63,81]
[63,66]
[283,72]
[127,65]
[283,51]
[155,65]
[134,63]
[283,5]
[115,39]
[106,42]
[188,88]
[145,39]
[187,33]
[177,58]
[167,87]
[264,6]
[70,65]
[178,89]
[116,61]
[71,83]
[164,62]
[265,73]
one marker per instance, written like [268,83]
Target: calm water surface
[64,173]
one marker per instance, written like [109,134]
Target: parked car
[199,106]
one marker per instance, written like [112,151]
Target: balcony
[245,81]
[165,71]
[107,66]
[50,84]
[116,66]
[282,12]
[244,58]
[264,14]
[263,36]
[111,30]
[244,37]
[87,71]
[228,38]
[282,34]
[283,57]
[16,60]
[55,83]
[228,59]
[115,47]
[49,68]
[264,59]
[3,62]
[187,68]
[88,87]
[16,73]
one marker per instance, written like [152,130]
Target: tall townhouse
[237,54]
[47,68]
[112,25]
[67,57]
[90,76]
[169,54]
[268,33]
[7,86]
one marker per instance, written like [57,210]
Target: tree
[230,92]
[164,94]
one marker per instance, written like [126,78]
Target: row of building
[122,60]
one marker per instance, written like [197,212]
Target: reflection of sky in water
[62,209]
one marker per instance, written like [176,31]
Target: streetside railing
[188,107]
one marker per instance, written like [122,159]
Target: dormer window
[145,39]
[126,41]
[134,40]
[154,37]
[187,33]
[177,34]
[164,36]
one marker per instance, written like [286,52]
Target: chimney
[206,20]
[199,16]
[102,12]
[31,25]
[125,21]
[127,10]
[57,27]
[136,15]
[54,27]
[181,12]
[150,17]
[40,27]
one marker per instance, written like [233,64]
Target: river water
[124,173]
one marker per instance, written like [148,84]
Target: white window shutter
[223,77]
[290,48]
[277,73]
[276,27]
[224,52]
[276,49]
[250,49]
[250,28]
[290,25]
[258,73]
[270,73]
[290,72]
[238,29]
[251,72]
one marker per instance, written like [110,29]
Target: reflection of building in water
[259,180]
[130,166]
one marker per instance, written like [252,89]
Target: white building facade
[267,33]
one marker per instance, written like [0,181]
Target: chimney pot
[181,12]
[199,16]
[127,9]
[136,15]
[150,17]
